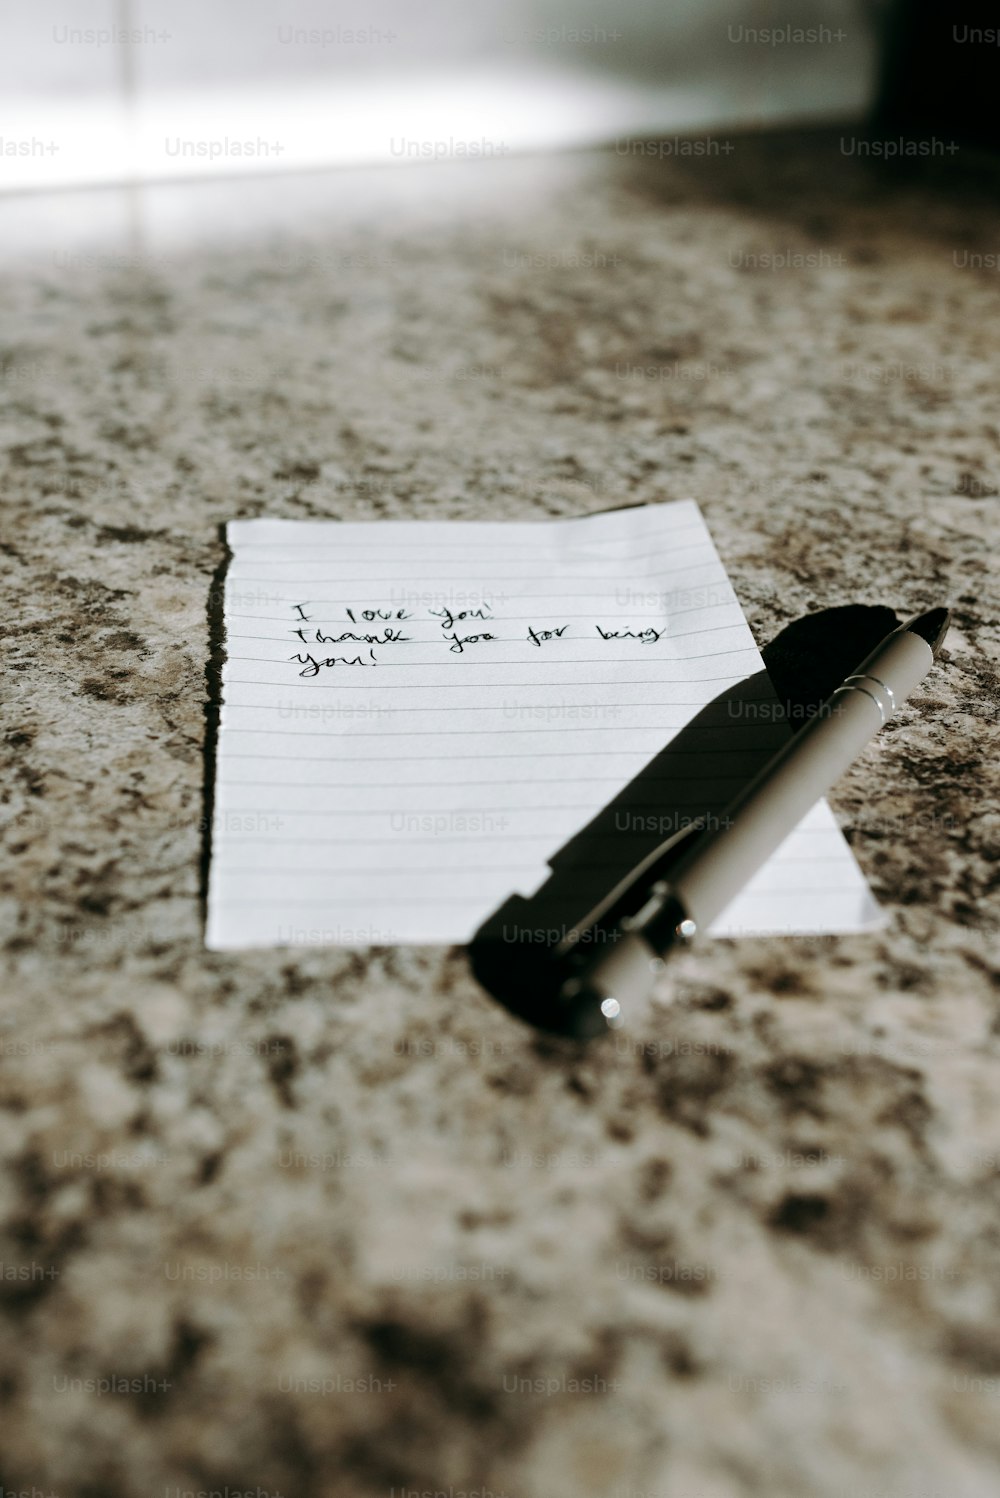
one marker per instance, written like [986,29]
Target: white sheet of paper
[518,676]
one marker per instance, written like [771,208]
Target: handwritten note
[416,717]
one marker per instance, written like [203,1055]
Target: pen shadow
[695,776]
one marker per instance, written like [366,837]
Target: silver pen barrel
[707,876]
[774,803]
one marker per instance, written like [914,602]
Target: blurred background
[100,91]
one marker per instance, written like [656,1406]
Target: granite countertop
[326,1223]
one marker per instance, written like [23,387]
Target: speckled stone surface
[322,1223]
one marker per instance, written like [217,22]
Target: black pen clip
[537,984]
[627,898]
[644,896]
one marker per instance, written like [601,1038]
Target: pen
[609,962]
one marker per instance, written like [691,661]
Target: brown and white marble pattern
[334,1223]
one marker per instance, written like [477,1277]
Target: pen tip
[931,626]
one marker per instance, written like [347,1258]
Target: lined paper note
[417,717]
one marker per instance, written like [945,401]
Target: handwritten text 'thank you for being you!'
[365,632]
